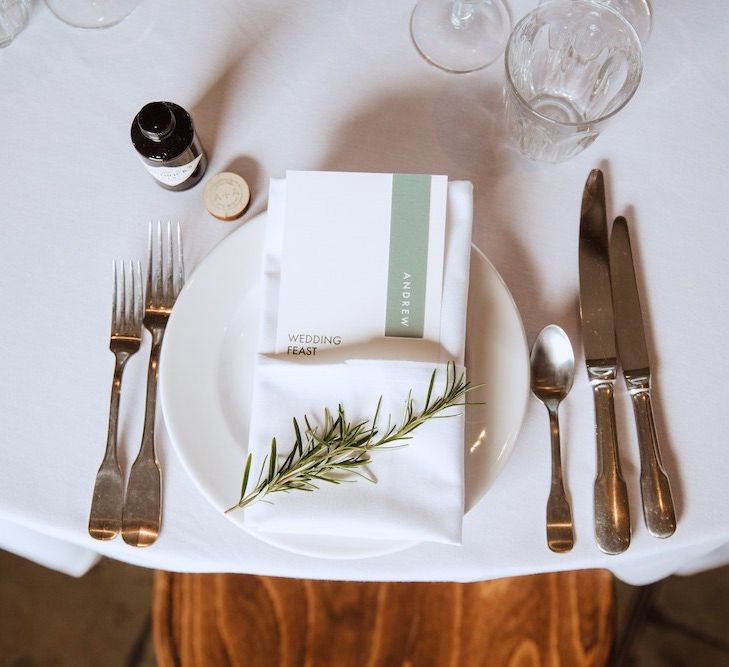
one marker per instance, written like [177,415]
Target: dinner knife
[612,515]
[658,510]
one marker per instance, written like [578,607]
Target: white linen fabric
[339,86]
[54,553]
[419,488]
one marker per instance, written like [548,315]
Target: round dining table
[338,85]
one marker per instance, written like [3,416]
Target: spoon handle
[560,532]
[612,515]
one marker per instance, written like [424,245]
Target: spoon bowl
[553,365]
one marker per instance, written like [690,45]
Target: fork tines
[127,303]
[165,268]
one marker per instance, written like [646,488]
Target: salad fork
[105,517]
[165,277]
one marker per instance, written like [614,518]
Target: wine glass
[460,35]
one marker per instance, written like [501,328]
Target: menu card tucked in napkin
[365,284]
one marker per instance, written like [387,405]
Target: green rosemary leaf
[299,443]
[331,480]
[408,407]
[377,414]
[246,473]
[430,391]
[272,462]
[260,473]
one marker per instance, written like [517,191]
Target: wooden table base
[554,619]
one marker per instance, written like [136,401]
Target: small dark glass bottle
[164,137]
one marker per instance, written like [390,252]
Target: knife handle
[658,510]
[612,513]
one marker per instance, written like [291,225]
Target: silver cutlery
[553,371]
[612,514]
[658,510]
[165,278]
[105,517]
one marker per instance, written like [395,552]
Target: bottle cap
[226,196]
[156,120]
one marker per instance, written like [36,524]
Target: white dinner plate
[206,377]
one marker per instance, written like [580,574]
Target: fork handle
[105,516]
[143,505]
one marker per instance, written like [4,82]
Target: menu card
[361,263]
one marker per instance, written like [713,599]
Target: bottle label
[173,175]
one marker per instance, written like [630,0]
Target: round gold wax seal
[226,195]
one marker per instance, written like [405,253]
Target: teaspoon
[553,370]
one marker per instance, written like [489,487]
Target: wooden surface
[224,619]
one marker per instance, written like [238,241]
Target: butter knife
[612,515]
[658,510]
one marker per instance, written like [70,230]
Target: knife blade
[658,510]
[612,514]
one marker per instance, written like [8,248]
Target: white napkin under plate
[420,487]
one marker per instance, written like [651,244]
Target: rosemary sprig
[336,451]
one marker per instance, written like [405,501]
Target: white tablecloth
[338,85]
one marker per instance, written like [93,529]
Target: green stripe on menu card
[408,262]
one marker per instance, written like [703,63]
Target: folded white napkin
[419,490]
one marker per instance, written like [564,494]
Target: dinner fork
[165,278]
[105,517]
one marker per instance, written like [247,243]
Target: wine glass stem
[462,14]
